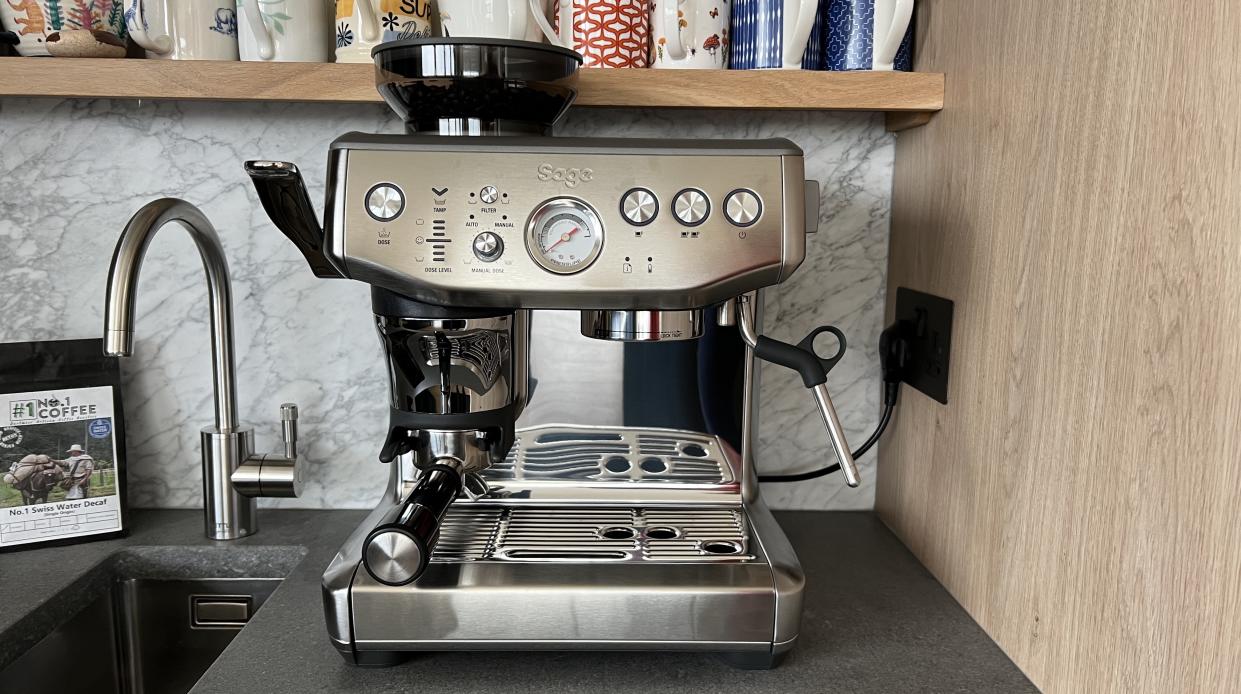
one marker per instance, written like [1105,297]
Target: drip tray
[481,532]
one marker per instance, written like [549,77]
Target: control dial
[489,194]
[564,235]
[488,246]
[691,207]
[639,206]
[743,207]
[385,202]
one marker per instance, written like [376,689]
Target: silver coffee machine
[501,534]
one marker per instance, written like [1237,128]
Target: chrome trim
[545,209]
[793,240]
[334,209]
[642,326]
[788,579]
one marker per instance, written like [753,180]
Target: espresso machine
[560,535]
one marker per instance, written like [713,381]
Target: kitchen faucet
[233,476]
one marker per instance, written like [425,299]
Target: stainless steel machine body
[643,534]
[583,538]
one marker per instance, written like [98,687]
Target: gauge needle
[563,237]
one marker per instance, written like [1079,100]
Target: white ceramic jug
[285,30]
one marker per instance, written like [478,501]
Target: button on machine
[489,194]
[385,202]
[743,207]
[488,246]
[691,207]
[639,206]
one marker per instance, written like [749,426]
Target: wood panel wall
[1080,199]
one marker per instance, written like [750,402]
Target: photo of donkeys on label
[57,463]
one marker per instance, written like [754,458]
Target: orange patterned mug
[608,33]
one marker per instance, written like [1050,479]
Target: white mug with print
[363,24]
[690,34]
[184,29]
[285,30]
[500,19]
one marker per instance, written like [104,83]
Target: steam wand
[802,359]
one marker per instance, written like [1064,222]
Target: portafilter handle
[283,194]
[807,363]
[399,549]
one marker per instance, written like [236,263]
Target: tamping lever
[812,368]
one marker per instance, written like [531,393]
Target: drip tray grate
[480,532]
[577,454]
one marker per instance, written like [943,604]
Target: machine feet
[377,659]
[752,660]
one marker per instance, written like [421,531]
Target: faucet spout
[232,474]
[123,289]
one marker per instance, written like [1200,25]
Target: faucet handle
[288,428]
[273,475]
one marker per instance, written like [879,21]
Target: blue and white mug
[184,29]
[770,33]
[862,35]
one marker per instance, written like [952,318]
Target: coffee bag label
[58,461]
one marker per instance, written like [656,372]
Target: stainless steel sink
[144,621]
[144,636]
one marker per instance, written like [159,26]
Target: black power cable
[893,355]
[835,467]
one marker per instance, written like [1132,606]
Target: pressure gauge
[564,235]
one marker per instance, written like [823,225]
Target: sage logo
[570,177]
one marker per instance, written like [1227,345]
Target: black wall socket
[925,321]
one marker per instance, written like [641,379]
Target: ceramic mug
[184,29]
[866,35]
[501,19]
[607,33]
[33,21]
[770,33]
[285,30]
[363,24]
[700,40]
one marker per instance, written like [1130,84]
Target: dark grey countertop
[875,619]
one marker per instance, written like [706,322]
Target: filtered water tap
[232,474]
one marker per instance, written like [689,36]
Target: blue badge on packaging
[99,428]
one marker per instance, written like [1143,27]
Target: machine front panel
[620,229]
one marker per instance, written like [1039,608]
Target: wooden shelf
[909,98]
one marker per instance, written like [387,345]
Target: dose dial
[564,235]
[384,202]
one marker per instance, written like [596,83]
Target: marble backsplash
[75,171]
